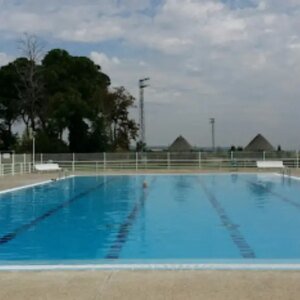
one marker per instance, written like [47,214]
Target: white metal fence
[99,162]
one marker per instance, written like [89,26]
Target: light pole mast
[142,86]
[212,122]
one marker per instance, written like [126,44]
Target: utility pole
[212,122]
[142,86]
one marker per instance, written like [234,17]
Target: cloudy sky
[235,60]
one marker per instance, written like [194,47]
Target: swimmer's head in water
[145,184]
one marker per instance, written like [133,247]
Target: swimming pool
[195,218]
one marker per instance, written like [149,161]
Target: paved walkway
[156,285]
[7,182]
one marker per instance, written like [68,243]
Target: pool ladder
[63,173]
[286,174]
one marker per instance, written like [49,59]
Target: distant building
[180,145]
[259,143]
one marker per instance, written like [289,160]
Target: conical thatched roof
[259,143]
[180,145]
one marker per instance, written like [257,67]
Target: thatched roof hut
[180,145]
[259,143]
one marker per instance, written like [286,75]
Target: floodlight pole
[142,86]
[212,122]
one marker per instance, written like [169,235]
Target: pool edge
[161,266]
[33,184]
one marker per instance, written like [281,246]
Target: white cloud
[262,6]
[103,60]
[293,42]
[205,58]
[226,30]
[5,58]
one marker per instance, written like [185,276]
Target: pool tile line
[115,249]
[236,236]
[156,266]
[12,235]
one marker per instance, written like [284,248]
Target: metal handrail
[143,163]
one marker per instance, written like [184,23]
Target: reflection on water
[261,189]
[182,185]
[213,180]
[286,180]
[234,178]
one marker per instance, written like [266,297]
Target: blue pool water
[221,216]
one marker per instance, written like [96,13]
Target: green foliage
[140,146]
[8,140]
[64,94]
[98,140]
[120,127]
[9,106]
[47,144]
[25,143]
[234,148]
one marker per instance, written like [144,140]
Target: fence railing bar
[97,162]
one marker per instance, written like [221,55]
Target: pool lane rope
[121,238]
[235,234]
[13,234]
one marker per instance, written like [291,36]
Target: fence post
[169,161]
[41,158]
[199,159]
[24,162]
[104,160]
[96,166]
[73,163]
[297,155]
[231,155]
[136,161]
[264,155]
[13,164]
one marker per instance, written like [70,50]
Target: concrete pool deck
[96,285]
[201,284]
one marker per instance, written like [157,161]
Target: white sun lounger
[47,167]
[267,164]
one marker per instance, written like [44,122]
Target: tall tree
[30,85]
[71,85]
[63,95]
[121,128]
[9,105]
